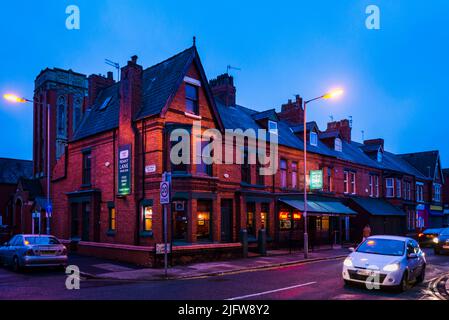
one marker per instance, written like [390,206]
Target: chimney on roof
[375,142]
[130,91]
[96,83]
[293,112]
[223,89]
[343,127]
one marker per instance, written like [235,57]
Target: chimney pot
[134,59]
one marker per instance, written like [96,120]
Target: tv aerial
[115,65]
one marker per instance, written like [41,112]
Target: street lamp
[329,95]
[16,99]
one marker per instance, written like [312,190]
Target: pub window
[112,218]
[192,99]
[294,175]
[251,219]
[346,181]
[87,168]
[147,217]
[283,173]
[389,182]
[204,220]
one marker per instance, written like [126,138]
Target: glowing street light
[330,95]
[13,98]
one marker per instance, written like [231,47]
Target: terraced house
[111,145]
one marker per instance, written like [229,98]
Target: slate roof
[159,84]
[268,114]
[425,162]
[33,186]
[11,170]
[378,207]
[300,128]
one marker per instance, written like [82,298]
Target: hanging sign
[124,170]
[316,179]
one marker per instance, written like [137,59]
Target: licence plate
[446,247]
[364,272]
[47,253]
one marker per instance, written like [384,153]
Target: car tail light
[29,252]
[421,235]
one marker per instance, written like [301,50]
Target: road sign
[160,248]
[49,211]
[165,192]
[316,179]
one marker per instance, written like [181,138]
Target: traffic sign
[165,192]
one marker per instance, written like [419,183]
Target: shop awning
[378,207]
[331,207]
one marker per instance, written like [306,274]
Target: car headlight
[391,267]
[436,240]
[348,262]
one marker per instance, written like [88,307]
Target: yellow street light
[13,98]
[333,94]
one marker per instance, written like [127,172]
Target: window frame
[346,182]
[314,141]
[194,100]
[283,172]
[437,195]
[273,127]
[391,187]
[87,168]
[143,206]
[419,192]
[338,146]
[294,174]
[399,188]
[353,180]
[112,217]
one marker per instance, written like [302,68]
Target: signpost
[165,201]
[316,179]
[124,171]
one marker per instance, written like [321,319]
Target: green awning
[377,207]
[331,207]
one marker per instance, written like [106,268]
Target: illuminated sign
[124,170]
[316,180]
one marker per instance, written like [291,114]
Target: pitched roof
[310,126]
[268,114]
[425,162]
[33,186]
[159,83]
[11,170]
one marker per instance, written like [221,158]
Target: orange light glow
[13,98]
[371,243]
[283,215]
[297,216]
[333,94]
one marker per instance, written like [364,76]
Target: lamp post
[16,99]
[329,95]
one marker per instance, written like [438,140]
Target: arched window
[76,113]
[62,118]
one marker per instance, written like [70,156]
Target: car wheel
[422,275]
[403,286]
[16,264]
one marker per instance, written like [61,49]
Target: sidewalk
[101,269]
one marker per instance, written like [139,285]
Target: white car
[385,261]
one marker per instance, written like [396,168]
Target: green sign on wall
[124,170]
[316,179]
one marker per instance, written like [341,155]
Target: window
[272,127]
[264,216]
[202,167]
[76,114]
[260,177]
[112,218]
[62,118]
[371,186]
[330,180]
[192,99]
[353,185]
[251,218]
[390,187]
[436,192]
[379,156]
[346,181]
[204,219]
[106,103]
[147,218]
[294,175]
[87,167]
[313,138]
[246,168]
[338,145]
[180,167]
[407,190]
[398,188]
[283,173]
[411,220]
[419,192]
[376,184]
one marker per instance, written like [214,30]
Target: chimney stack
[130,91]
[223,89]
[96,84]
[375,142]
[293,112]
[343,127]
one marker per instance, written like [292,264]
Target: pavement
[92,268]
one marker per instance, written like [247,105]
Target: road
[319,280]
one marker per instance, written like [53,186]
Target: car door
[8,252]
[413,263]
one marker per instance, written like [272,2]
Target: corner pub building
[110,145]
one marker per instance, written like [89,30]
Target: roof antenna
[363,135]
[194,41]
[229,68]
[115,65]
[350,121]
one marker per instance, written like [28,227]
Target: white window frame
[313,138]
[192,81]
[346,182]
[272,130]
[338,144]
[419,192]
[353,180]
[437,195]
[389,187]
[376,179]
[399,188]
[371,186]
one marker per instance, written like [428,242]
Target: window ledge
[146,234]
[86,185]
[193,116]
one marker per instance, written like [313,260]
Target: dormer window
[192,99]
[379,156]
[106,103]
[338,145]
[272,127]
[313,138]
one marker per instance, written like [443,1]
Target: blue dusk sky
[396,79]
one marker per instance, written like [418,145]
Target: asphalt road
[319,280]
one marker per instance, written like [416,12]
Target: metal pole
[306,235]
[166,242]
[48,168]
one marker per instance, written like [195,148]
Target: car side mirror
[352,249]
[412,256]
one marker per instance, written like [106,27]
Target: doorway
[226,220]
[180,221]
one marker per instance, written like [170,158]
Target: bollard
[262,240]
[244,241]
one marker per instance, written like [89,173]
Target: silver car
[33,251]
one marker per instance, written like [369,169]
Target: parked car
[442,242]
[386,261]
[427,237]
[33,251]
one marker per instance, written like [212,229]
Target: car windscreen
[445,232]
[432,231]
[386,247]
[41,240]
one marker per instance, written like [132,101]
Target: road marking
[271,291]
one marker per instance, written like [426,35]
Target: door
[226,220]
[86,222]
[180,224]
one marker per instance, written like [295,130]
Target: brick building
[110,144]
